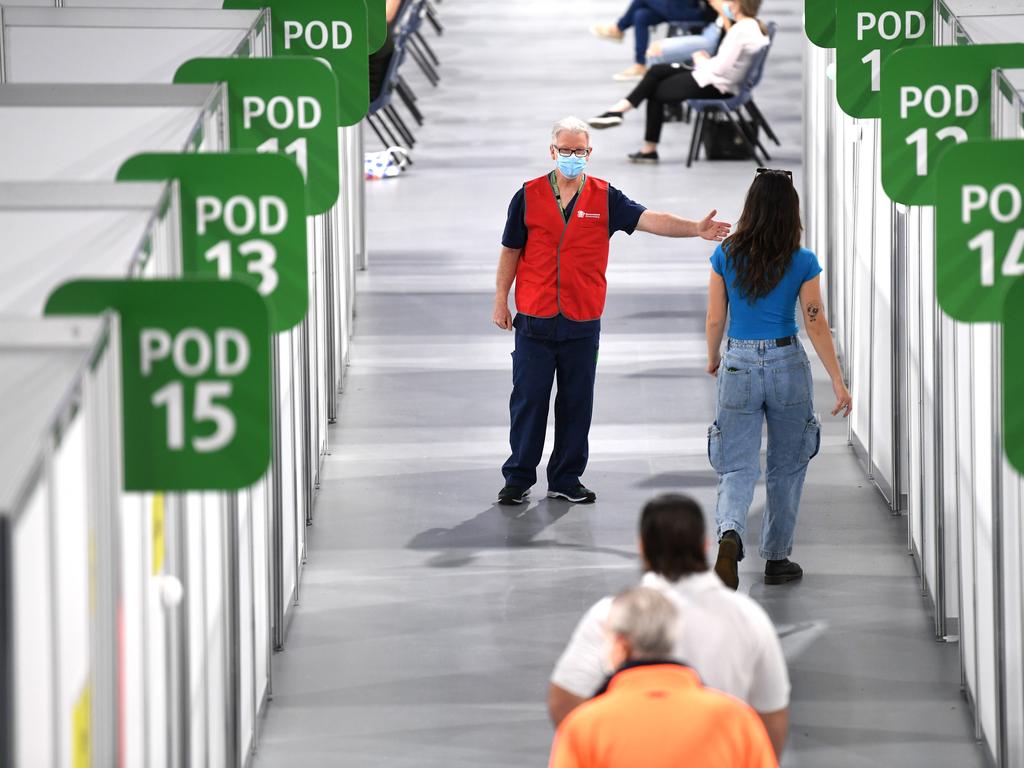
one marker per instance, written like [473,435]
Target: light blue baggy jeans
[680,50]
[759,381]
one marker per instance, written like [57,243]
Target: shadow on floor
[500,527]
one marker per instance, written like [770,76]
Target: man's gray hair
[569,125]
[647,620]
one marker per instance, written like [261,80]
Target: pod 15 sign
[195,368]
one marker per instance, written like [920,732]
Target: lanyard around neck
[558,195]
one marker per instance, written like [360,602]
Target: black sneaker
[513,494]
[606,120]
[577,495]
[781,571]
[644,157]
[727,565]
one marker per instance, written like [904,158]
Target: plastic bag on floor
[387,163]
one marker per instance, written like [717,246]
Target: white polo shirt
[724,635]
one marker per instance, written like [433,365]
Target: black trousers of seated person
[667,84]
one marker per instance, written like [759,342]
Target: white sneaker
[604,31]
[630,75]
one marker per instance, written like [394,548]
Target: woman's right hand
[844,401]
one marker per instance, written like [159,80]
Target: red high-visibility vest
[562,267]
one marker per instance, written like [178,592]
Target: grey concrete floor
[430,618]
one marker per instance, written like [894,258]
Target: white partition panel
[929,421]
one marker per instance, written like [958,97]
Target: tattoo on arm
[813,310]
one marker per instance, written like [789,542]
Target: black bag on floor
[722,141]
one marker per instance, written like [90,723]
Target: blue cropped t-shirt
[772,316]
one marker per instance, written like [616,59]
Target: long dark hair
[767,235]
[672,534]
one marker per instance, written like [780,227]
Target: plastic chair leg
[695,138]
[387,129]
[376,130]
[426,47]
[408,88]
[423,64]
[400,126]
[410,104]
[759,117]
[737,121]
[432,17]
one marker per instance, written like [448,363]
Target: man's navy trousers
[551,351]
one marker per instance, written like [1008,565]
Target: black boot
[730,547]
[781,571]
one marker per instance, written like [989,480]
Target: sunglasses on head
[789,174]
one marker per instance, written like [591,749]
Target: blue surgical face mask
[727,7]
[571,166]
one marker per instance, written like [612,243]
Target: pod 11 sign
[195,371]
[867,33]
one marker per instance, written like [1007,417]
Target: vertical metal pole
[232,633]
[897,302]
[178,635]
[330,296]
[276,617]
[7,729]
[311,451]
[974,547]
[359,197]
[938,458]
[53,597]
[998,589]
[871,314]
[251,563]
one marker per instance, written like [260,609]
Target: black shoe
[513,494]
[730,546]
[781,571]
[577,495]
[643,157]
[606,120]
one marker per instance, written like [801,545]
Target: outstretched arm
[507,263]
[670,225]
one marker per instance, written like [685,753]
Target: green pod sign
[195,371]
[1013,375]
[867,33]
[820,22]
[285,105]
[242,216]
[979,229]
[335,31]
[933,98]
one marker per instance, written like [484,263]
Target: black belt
[785,341]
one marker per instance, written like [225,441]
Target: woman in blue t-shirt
[757,275]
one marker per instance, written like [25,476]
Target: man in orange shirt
[656,713]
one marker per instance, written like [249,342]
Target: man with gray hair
[555,249]
[654,712]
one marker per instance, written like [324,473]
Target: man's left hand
[710,229]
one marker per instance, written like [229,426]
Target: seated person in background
[654,712]
[680,50]
[712,77]
[381,58]
[726,637]
[642,15]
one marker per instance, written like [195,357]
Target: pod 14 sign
[195,368]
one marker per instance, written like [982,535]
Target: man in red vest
[555,248]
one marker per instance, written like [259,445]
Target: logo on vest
[585,215]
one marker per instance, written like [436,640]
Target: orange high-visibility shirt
[661,716]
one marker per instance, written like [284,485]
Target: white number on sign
[1012,266]
[172,397]
[919,139]
[296,149]
[262,266]
[874,58]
